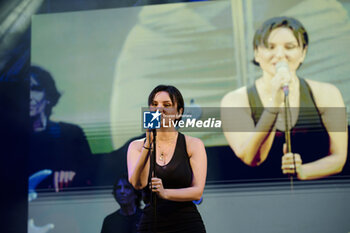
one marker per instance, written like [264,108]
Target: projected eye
[271,46]
[290,46]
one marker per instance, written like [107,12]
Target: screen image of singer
[98,76]
[105,63]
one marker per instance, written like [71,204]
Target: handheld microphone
[283,68]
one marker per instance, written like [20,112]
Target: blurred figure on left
[58,146]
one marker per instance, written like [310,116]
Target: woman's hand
[149,139]
[291,164]
[156,186]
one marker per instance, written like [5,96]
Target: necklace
[168,145]
[161,157]
[163,153]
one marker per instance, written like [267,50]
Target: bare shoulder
[193,141]
[325,94]
[236,98]
[193,144]
[317,85]
[136,144]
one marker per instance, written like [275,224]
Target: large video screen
[92,72]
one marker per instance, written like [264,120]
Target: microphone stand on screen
[287,124]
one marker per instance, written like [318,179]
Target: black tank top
[177,173]
[172,216]
[309,137]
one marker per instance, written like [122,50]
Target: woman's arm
[138,163]
[329,165]
[249,142]
[329,104]
[198,162]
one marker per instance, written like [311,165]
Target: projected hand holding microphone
[280,84]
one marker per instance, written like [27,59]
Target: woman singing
[317,149]
[181,167]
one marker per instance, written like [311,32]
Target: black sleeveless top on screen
[309,137]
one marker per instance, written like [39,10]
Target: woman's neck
[166,135]
[264,86]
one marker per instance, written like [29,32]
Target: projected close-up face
[282,46]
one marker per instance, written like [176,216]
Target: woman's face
[163,103]
[281,46]
[38,100]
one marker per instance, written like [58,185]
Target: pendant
[161,157]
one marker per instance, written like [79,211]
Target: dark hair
[174,94]
[263,32]
[47,84]
[136,192]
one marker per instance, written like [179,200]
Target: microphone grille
[282,65]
